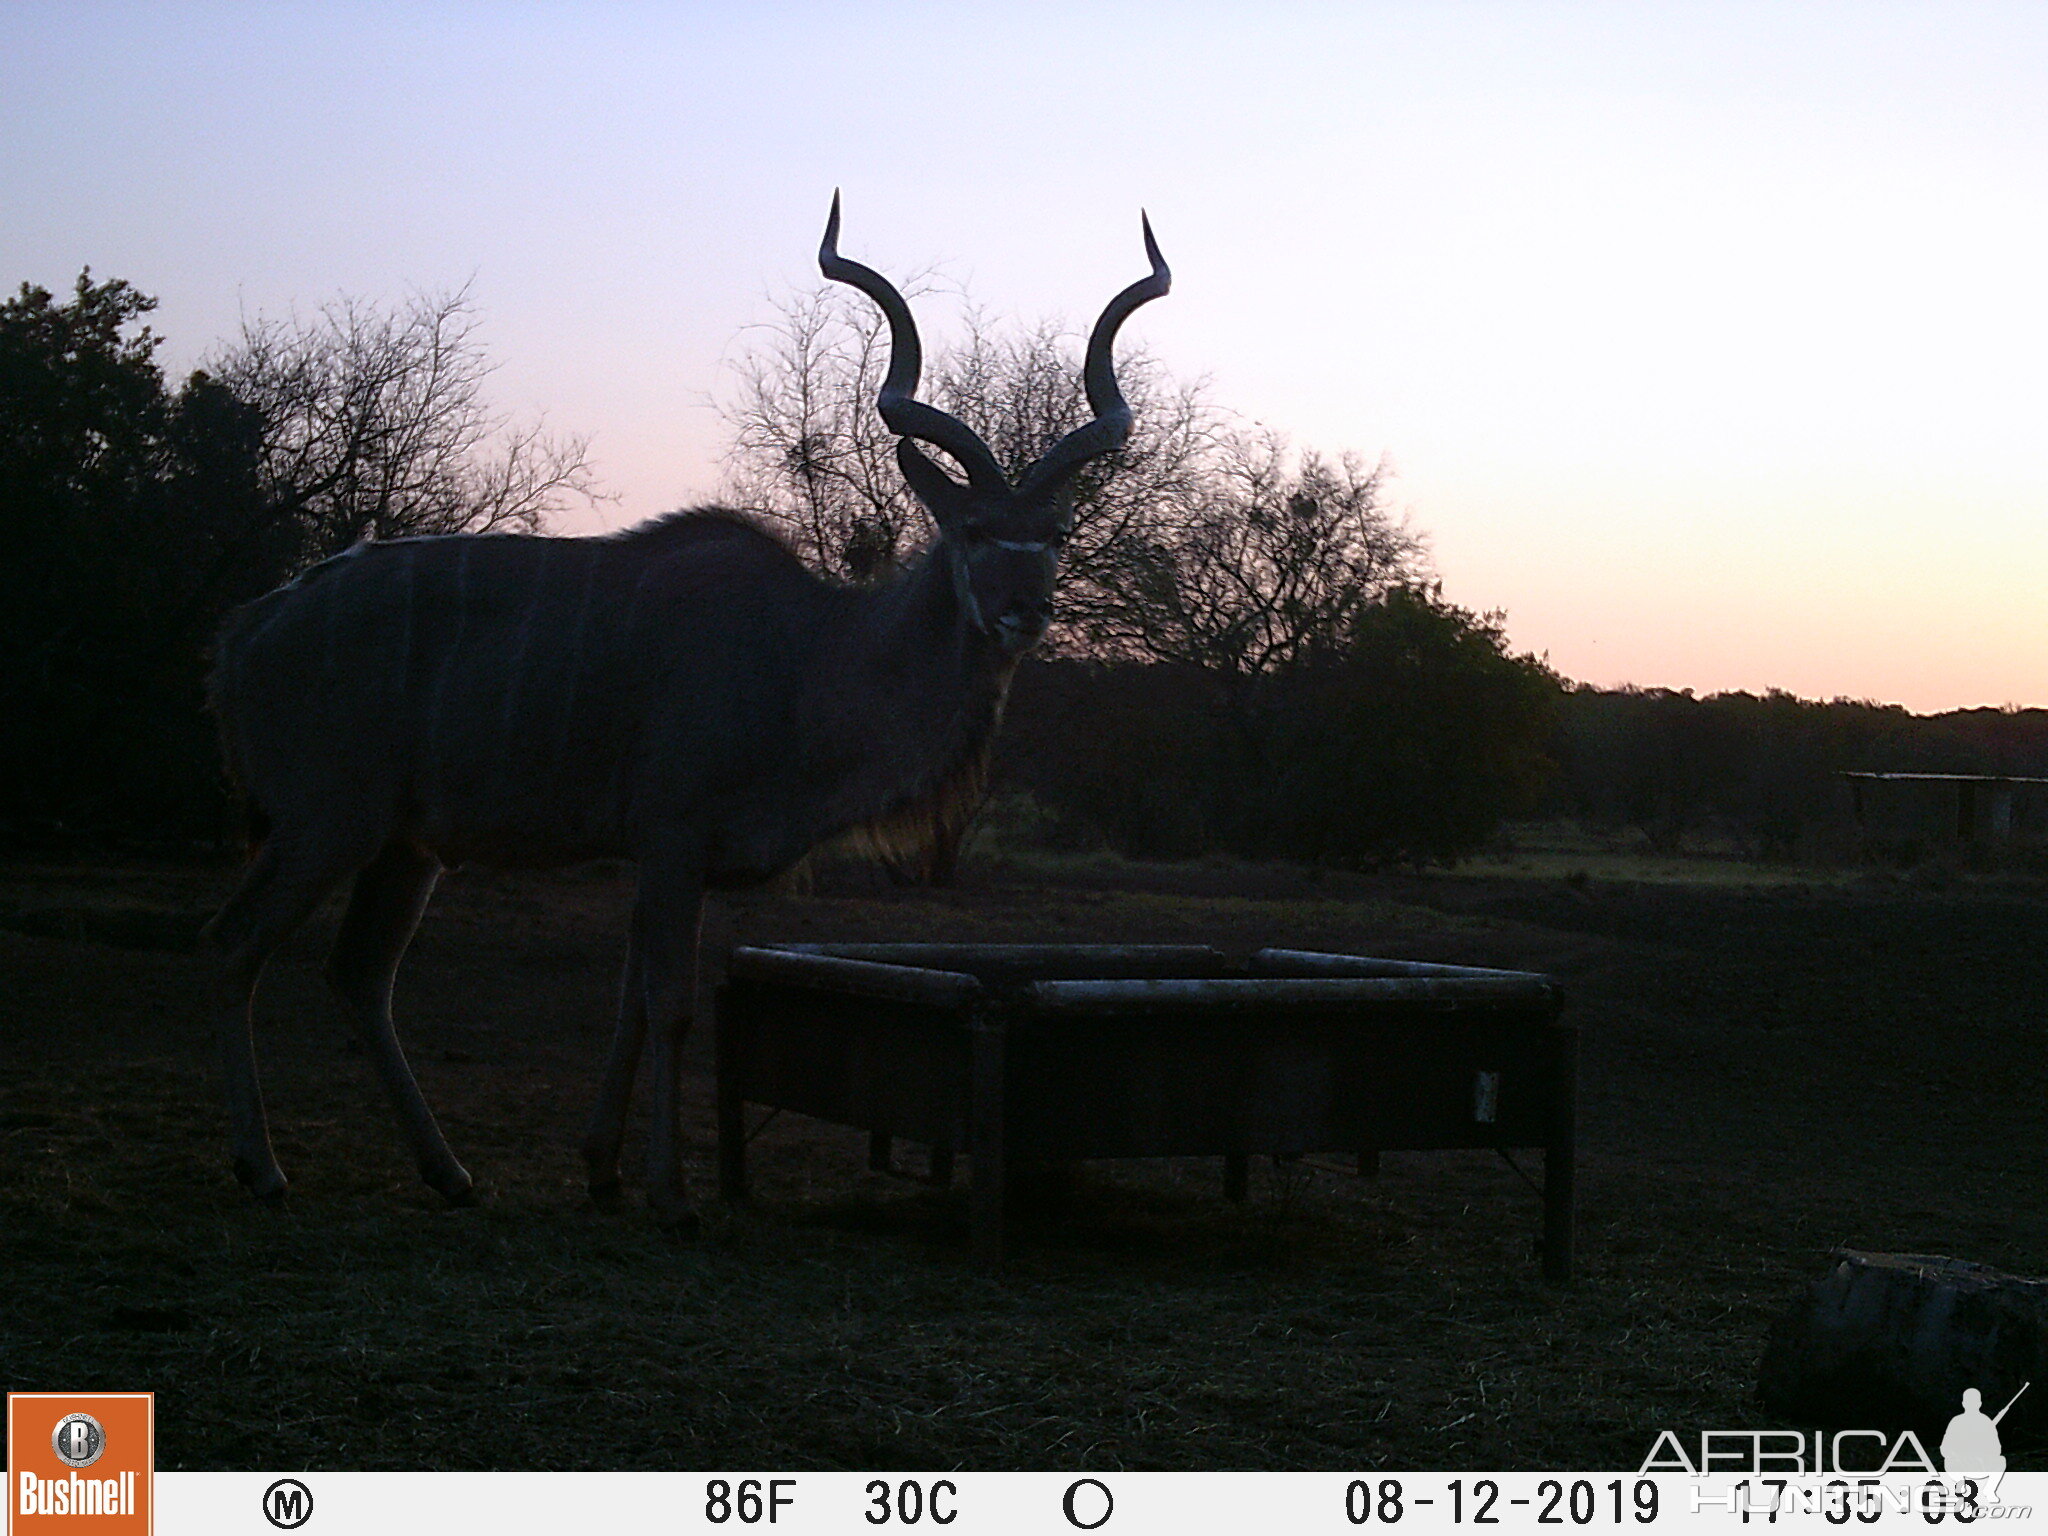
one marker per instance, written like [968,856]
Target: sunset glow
[1706,341]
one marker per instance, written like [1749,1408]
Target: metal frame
[1066,1052]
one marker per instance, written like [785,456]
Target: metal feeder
[1063,1052]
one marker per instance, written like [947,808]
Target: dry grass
[1767,1074]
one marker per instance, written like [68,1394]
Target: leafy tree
[82,417]
[123,504]
[1409,740]
[1257,560]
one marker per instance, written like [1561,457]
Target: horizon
[1703,340]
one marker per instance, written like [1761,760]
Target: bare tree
[808,451]
[376,425]
[1020,386]
[1261,558]
[807,454]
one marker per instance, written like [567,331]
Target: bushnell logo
[80,1461]
[78,1440]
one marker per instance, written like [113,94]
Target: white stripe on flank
[612,804]
[516,670]
[330,614]
[450,657]
[573,669]
[407,560]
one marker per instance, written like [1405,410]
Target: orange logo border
[31,1418]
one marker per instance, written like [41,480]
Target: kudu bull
[685,694]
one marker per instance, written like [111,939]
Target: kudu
[685,694]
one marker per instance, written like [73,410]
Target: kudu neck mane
[927,756]
[899,698]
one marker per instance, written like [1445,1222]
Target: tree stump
[1889,1341]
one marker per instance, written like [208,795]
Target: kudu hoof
[677,1218]
[457,1188]
[266,1184]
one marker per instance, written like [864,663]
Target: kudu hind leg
[277,894]
[607,1130]
[384,910]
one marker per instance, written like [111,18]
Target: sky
[1707,342]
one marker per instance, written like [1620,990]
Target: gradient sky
[1708,341]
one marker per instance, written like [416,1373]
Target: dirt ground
[1768,1073]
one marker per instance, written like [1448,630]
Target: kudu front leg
[250,1154]
[607,1130]
[666,923]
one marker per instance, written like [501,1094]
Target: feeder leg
[1557,1216]
[986,1142]
[1236,1176]
[1559,1154]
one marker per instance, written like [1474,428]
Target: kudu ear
[943,496]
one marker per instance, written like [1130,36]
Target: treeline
[1764,772]
[1430,733]
[1253,658]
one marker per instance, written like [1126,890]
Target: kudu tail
[250,823]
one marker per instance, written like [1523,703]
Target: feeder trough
[1054,1053]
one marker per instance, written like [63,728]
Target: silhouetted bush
[1406,739]
[1410,740]
[1126,755]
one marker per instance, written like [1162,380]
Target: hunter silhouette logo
[1969,1447]
[80,1461]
